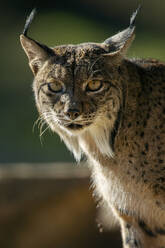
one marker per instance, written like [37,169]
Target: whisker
[36,123]
[44,131]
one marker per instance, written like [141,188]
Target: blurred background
[31,199]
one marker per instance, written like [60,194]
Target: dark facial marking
[146,229]
[142,134]
[160,231]
[73,71]
[127,240]
[161,179]
[40,88]
[146,146]
[135,243]
[129,124]
[115,129]
[128,226]
[132,242]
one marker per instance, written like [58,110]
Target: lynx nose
[73,113]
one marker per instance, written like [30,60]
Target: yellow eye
[55,86]
[94,85]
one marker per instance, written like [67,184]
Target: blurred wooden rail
[50,170]
[49,206]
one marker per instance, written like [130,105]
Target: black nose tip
[73,113]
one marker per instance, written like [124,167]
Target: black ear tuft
[120,42]
[29,21]
[133,17]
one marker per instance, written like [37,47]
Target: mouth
[75,126]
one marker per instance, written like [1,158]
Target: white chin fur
[99,132]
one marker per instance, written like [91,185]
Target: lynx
[110,109]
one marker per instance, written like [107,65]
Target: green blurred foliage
[76,22]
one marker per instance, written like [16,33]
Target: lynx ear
[36,52]
[119,43]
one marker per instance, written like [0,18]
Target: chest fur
[113,185]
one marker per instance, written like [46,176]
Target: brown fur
[120,127]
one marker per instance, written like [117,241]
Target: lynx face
[79,88]
[74,90]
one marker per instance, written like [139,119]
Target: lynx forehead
[111,109]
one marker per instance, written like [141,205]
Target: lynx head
[77,87]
